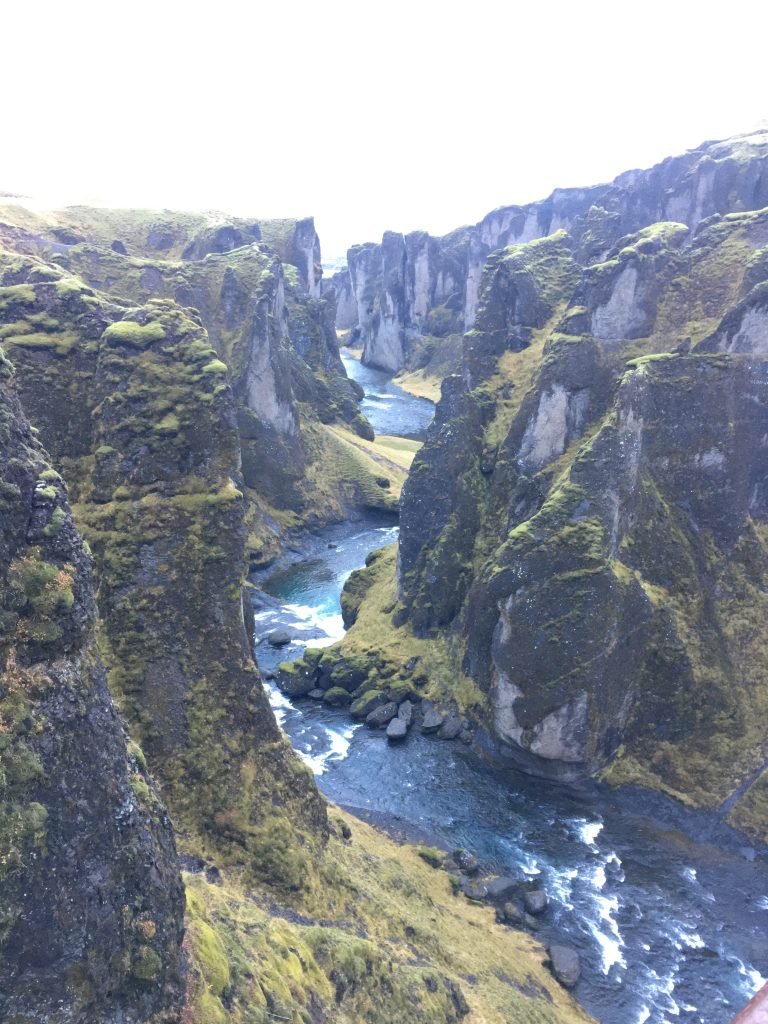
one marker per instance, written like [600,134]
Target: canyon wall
[413,285]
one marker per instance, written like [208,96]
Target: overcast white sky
[398,115]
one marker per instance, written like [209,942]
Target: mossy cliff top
[165,234]
[76,804]
[276,337]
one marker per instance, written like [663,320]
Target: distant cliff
[413,285]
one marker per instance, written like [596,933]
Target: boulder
[500,889]
[473,890]
[278,638]
[316,694]
[450,728]
[531,923]
[405,712]
[401,690]
[509,914]
[382,715]
[466,861]
[294,680]
[365,704]
[397,729]
[535,901]
[565,965]
[337,697]
[343,672]
[432,721]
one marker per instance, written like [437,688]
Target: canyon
[578,582]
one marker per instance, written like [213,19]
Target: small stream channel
[668,908]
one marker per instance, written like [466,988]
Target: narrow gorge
[388,645]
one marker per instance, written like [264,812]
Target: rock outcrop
[92,907]
[415,284]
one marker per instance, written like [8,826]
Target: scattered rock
[332,545]
[565,965]
[474,891]
[278,638]
[317,694]
[295,681]
[450,728]
[531,923]
[341,673]
[466,861]
[191,863]
[466,736]
[269,674]
[405,712]
[397,729]
[381,716]
[536,901]
[432,721]
[500,889]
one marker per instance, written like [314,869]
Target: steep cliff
[292,912]
[91,917]
[415,284]
[584,530]
[297,412]
[138,414]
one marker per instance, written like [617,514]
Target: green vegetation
[126,332]
[378,903]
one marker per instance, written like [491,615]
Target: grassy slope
[393,934]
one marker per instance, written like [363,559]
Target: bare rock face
[410,284]
[91,918]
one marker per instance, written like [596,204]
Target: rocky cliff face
[169,235]
[292,912]
[269,325]
[136,407]
[91,918]
[587,519]
[412,285]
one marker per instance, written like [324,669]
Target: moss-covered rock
[146,433]
[75,804]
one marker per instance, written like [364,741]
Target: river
[668,908]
